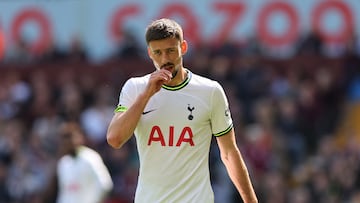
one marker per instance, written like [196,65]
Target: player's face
[167,54]
[70,141]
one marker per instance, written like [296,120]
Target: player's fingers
[163,75]
[168,73]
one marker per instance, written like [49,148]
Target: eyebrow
[154,50]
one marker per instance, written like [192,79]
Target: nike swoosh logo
[146,112]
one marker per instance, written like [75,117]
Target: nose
[164,58]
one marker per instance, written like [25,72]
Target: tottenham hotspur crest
[190,117]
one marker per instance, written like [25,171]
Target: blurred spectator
[300,195]
[96,118]
[273,186]
[219,68]
[42,96]
[14,95]
[26,174]
[70,100]
[228,48]
[257,148]
[251,47]
[20,53]
[87,84]
[287,121]
[353,45]
[77,52]
[311,44]
[4,190]
[128,46]
[310,112]
[44,130]
[123,167]
[252,83]
[330,93]
[51,53]
[354,89]
[355,197]
[200,60]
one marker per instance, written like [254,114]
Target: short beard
[174,73]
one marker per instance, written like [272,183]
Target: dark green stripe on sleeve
[224,131]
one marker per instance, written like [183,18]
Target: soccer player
[81,175]
[174,113]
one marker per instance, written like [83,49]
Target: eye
[172,50]
[157,52]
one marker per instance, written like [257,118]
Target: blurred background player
[81,175]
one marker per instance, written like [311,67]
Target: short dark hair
[162,29]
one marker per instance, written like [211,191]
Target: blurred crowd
[290,116]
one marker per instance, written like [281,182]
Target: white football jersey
[83,178]
[173,138]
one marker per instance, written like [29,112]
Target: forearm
[122,125]
[239,175]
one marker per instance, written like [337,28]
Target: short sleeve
[127,96]
[221,121]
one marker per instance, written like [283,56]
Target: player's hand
[157,79]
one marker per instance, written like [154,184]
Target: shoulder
[207,85]
[138,80]
[135,83]
[204,81]
[85,155]
[88,154]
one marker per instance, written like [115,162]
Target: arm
[236,168]
[102,182]
[123,124]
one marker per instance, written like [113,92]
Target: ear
[149,52]
[184,47]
